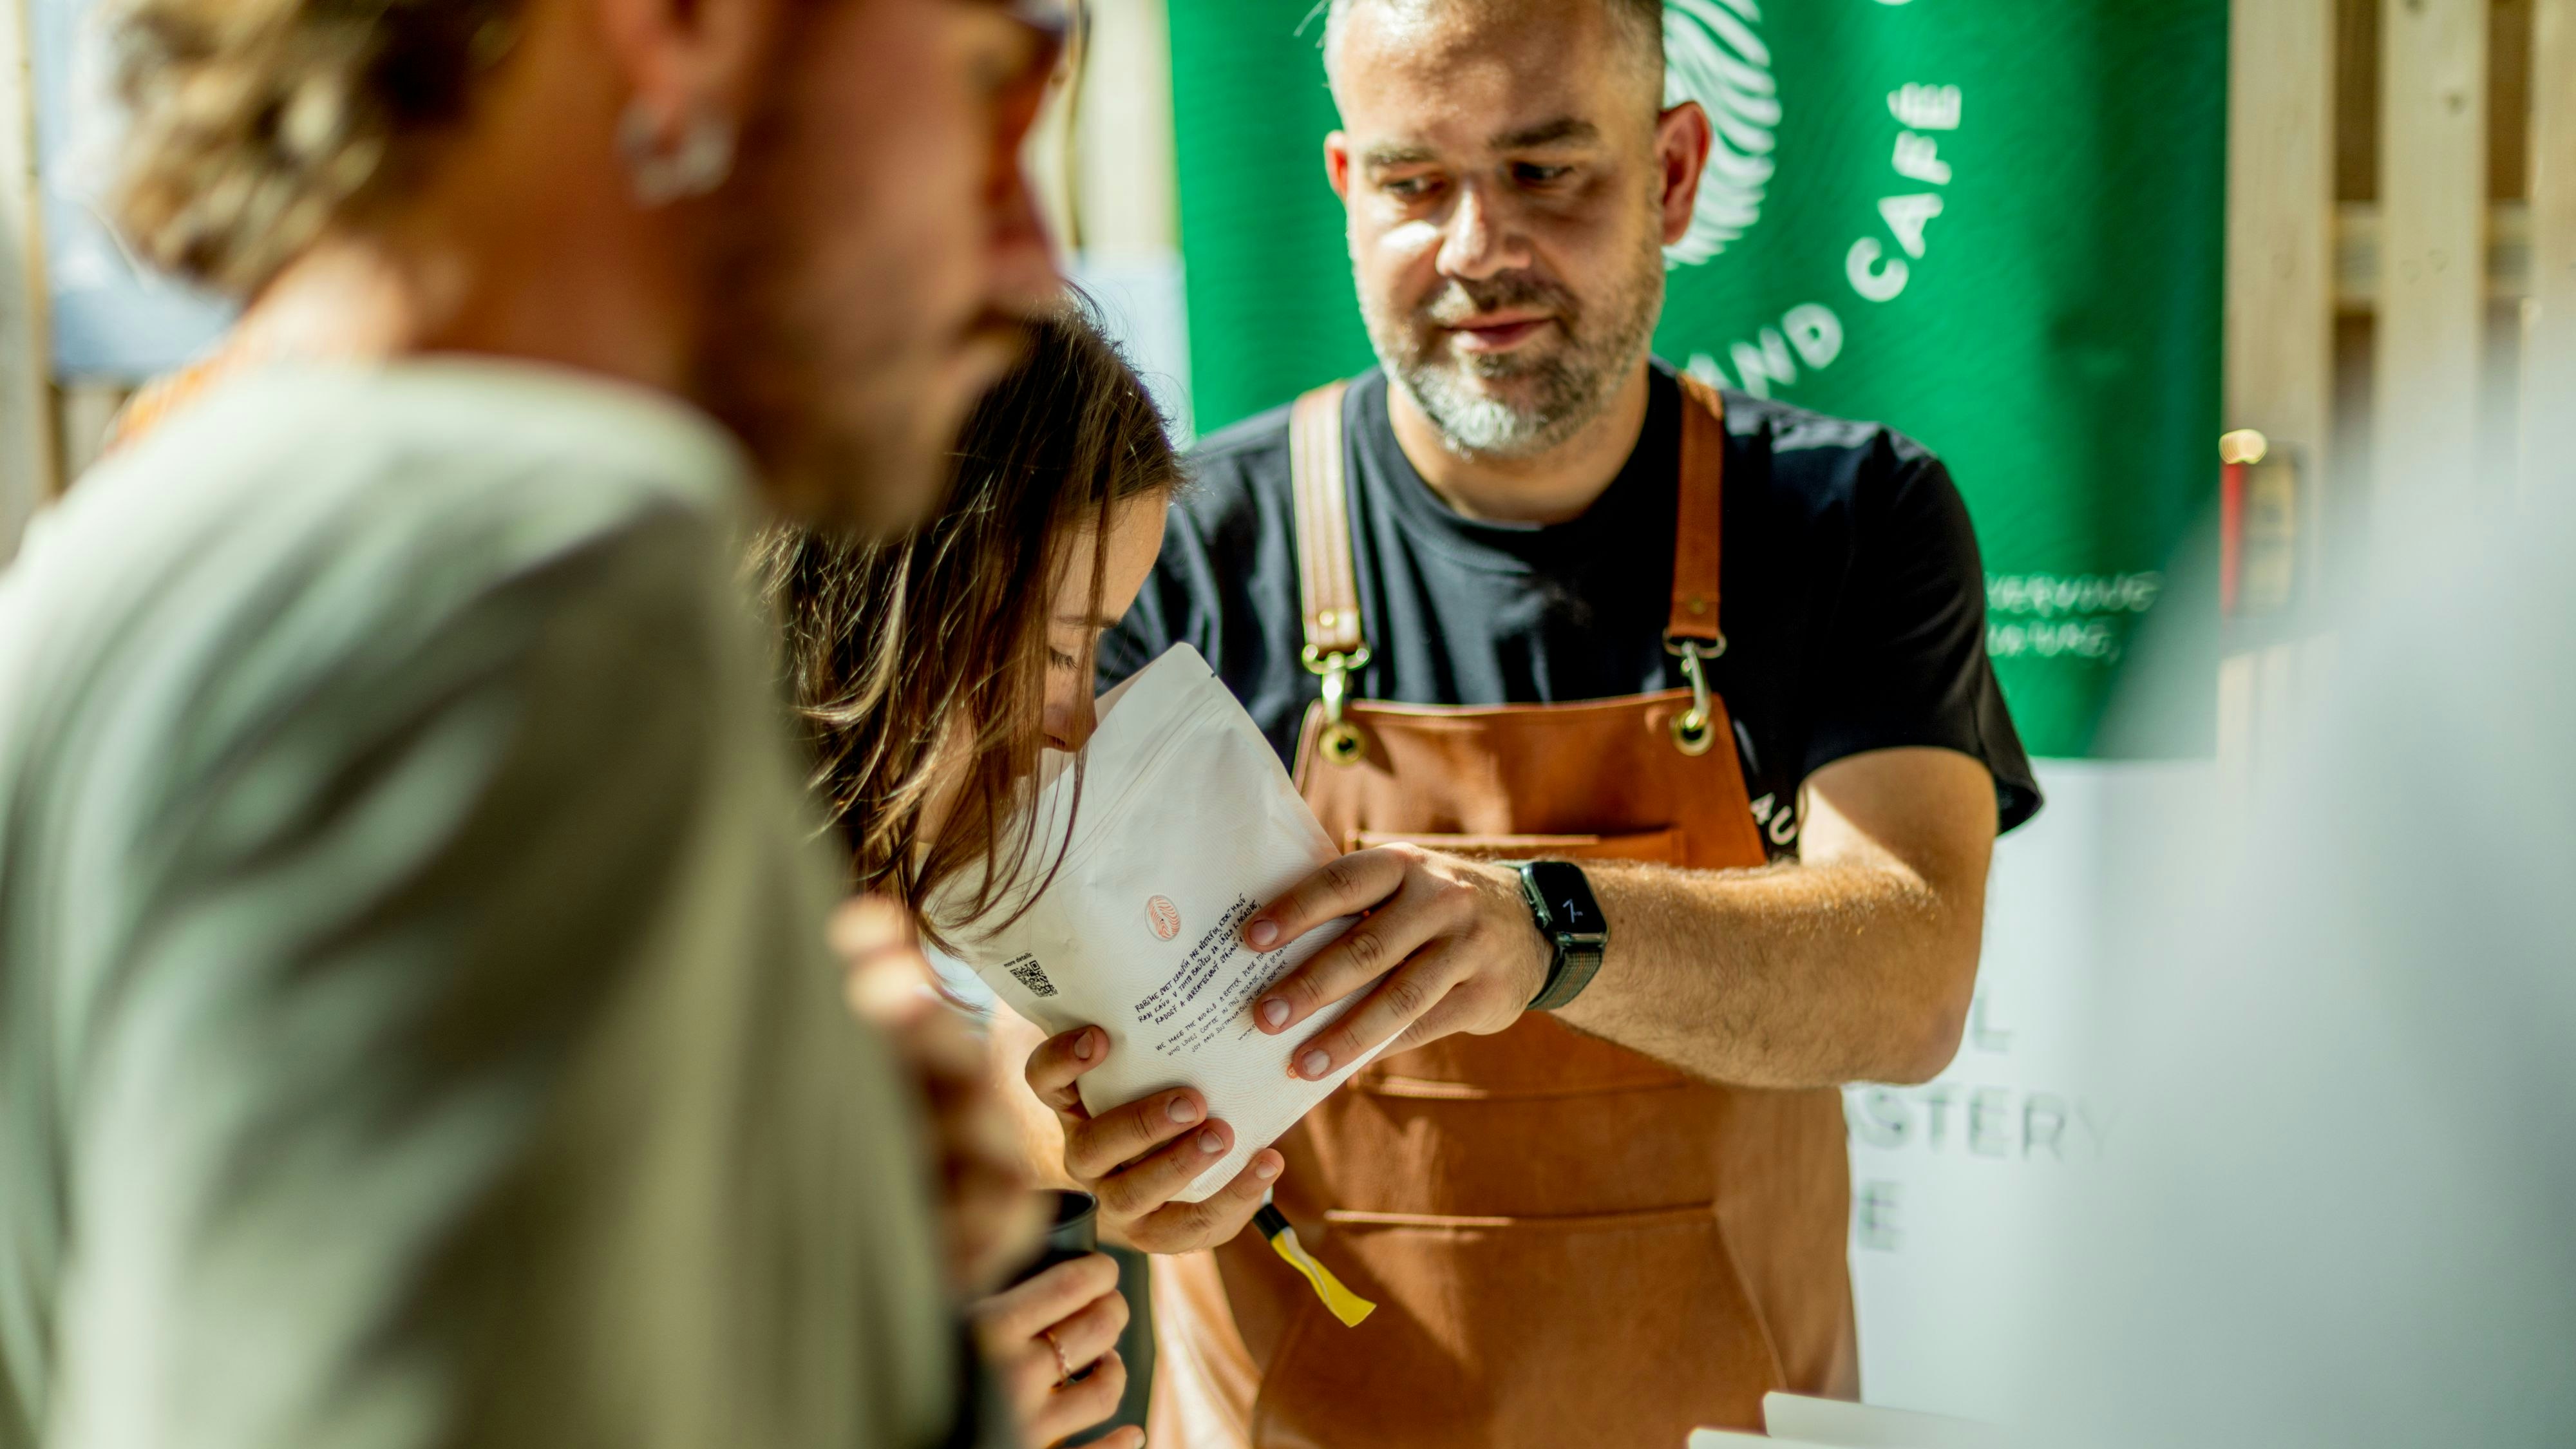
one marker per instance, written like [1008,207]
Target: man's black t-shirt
[1853,600]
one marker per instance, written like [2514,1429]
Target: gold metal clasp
[1341,741]
[1695,729]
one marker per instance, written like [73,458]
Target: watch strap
[1574,969]
[1576,962]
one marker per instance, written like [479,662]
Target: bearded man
[416,1022]
[1647,869]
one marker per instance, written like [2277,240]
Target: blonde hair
[255,124]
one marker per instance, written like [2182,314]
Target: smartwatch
[1560,900]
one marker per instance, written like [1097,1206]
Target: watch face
[1569,898]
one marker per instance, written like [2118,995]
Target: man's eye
[1410,187]
[1531,174]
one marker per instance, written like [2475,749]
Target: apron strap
[1317,471]
[1702,514]
[1329,592]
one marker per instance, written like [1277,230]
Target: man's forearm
[1794,976]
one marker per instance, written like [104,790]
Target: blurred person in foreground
[2340,1051]
[1659,727]
[416,1014]
[932,671]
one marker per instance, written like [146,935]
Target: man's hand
[1136,1157]
[990,1217]
[1449,942]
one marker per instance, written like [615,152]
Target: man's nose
[1025,281]
[1022,257]
[1480,239]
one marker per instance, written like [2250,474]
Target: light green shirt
[415,1022]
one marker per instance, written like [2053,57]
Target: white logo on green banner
[1713,55]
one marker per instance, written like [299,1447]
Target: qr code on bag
[1028,973]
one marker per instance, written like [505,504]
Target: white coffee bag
[1186,826]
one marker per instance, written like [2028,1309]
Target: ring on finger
[1063,1365]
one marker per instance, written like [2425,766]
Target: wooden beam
[27,474]
[2549,316]
[1127,190]
[2357,254]
[2432,279]
[2280,239]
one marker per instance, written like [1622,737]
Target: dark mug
[1074,1232]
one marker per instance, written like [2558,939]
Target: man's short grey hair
[1640,21]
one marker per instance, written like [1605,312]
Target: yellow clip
[1346,1305]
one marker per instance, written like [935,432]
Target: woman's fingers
[1039,1333]
[1136,1157]
[1059,1062]
[1049,1409]
[1012,1317]
[1075,1407]
[1149,1182]
[1091,1331]
[1094,1147]
[1181,1227]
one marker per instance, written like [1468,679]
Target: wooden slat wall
[2280,211]
[2432,278]
[1127,184]
[2279,365]
[2549,326]
[26,411]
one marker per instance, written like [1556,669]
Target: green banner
[1993,224]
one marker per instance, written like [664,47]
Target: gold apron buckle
[1691,734]
[1343,745]
[1342,742]
[1695,729]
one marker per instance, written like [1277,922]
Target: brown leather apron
[1570,1243]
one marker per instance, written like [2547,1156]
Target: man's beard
[1566,387]
[855,444]
[835,413]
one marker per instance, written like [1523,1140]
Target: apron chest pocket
[1663,847]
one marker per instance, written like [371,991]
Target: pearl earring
[661,174]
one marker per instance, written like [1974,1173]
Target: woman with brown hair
[932,671]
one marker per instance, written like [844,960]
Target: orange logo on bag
[1164,917]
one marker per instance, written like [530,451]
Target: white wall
[1952,1181]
